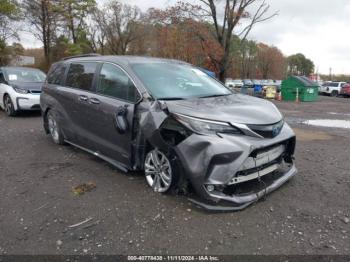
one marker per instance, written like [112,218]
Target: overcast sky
[317,28]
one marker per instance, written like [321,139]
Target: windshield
[25,75]
[176,81]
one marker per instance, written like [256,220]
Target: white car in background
[237,83]
[331,88]
[20,89]
[231,84]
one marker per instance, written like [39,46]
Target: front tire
[161,173]
[8,106]
[54,129]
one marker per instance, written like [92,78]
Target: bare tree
[270,61]
[248,52]
[95,32]
[236,13]
[118,26]
[42,18]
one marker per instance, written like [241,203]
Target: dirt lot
[309,215]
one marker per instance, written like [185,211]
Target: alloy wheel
[53,128]
[158,171]
[8,105]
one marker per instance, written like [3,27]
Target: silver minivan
[169,119]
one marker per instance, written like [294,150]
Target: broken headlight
[207,127]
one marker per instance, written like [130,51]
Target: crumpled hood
[234,108]
[35,86]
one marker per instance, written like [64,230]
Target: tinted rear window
[56,74]
[81,75]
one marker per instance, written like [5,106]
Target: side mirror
[121,121]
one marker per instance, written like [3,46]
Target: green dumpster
[301,85]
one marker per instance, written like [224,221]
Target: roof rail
[83,55]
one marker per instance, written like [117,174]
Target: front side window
[115,83]
[81,75]
[178,81]
[26,75]
[55,77]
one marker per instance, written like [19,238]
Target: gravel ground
[309,215]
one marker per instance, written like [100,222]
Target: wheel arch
[4,95]
[13,100]
[46,126]
[3,99]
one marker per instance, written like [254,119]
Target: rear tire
[8,106]
[54,129]
[334,93]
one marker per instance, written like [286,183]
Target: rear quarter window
[81,75]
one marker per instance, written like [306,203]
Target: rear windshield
[170,80]
[24,75]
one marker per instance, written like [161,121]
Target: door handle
[83,98]
[94,101]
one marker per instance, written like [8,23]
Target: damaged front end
[229,165]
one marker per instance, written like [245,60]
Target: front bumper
[225,163]
[28,102]
[240,202]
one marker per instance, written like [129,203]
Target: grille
[268,131]
[35,92]
[260,164]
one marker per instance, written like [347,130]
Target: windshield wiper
[215,95]
[170,98]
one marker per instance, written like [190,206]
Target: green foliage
[7,53]
[298,64]
[4,57]
[9,9]
[76,8]
[63,47]
[73,13]
[9,13]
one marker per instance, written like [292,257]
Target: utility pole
[330,73]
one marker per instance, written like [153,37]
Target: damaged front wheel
[159,172]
